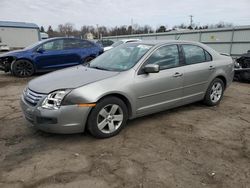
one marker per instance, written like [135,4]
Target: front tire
[107,118]
[22,68]
[214,92]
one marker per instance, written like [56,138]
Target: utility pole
[98,34]
[191,20]
[131,26]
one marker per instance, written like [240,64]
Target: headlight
[236,64]
[54,99]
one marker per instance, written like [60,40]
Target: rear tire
[107,118]
[87,60]
[214,92]
[22,68]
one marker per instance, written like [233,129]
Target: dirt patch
[191,146]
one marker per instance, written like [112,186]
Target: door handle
[211,67]
[177,74]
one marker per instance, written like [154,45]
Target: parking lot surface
[191,146]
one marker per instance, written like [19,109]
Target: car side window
[195,54]
[71,44]
[208,56]
[166,57]
[53,45]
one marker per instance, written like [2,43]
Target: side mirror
[151,68]
[40,50]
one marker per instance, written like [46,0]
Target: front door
[50,55]
[163,90]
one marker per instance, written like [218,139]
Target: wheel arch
[89,56]
[24,58]
[118,95]
[223,78]
[123,98]
[93,55]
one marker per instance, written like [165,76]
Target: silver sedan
[130,81]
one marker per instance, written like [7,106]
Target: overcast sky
[120,12]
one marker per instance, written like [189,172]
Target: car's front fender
[93,92]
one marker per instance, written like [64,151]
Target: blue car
[49,55]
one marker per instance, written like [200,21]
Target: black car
[242,67]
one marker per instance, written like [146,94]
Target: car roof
[160,42]
[57,38]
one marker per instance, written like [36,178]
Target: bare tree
[42,29]
[66,29]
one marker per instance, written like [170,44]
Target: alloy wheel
[110,118]
[216,92]
[24,68]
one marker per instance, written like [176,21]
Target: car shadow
[158,115]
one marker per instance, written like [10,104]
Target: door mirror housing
[151,68]
[40,50]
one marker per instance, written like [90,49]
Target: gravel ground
[191,146]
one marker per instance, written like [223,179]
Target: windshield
[121,58]
[118,43]
[33,45]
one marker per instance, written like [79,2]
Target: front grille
[32,97]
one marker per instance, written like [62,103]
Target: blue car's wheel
[22,68]
[87,60]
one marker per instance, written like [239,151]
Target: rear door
[89,49]
[198,71]
[72,50]
[163,90]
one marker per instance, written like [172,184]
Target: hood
[13,53]
[68,78]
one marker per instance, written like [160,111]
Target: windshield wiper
[99,68]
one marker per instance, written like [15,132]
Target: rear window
[208,56]
[73,44]
[195,54]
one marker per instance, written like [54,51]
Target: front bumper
[66,120]
[241,69]
[5,64]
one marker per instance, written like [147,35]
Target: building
[89,36]
[44,35]
[18,34]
